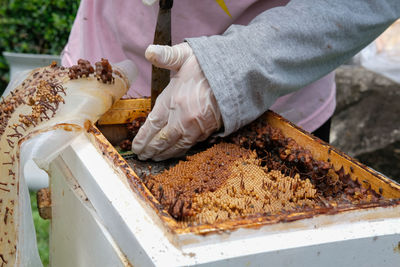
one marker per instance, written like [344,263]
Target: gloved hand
[185,112]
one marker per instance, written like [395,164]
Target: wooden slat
[125,111]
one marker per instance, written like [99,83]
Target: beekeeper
[233,60]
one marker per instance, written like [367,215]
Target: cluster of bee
[103,71]
[132,129]
[284,154]
[42,91]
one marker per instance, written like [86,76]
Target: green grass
[42,231]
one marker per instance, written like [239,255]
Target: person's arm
[237,76]
[285,48]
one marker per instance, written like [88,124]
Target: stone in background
[366,123]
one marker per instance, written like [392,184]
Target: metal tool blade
[162,36]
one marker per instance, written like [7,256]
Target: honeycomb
[256,171]
[226,182]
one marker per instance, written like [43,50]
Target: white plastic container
[21,61]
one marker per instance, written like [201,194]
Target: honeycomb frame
[319,149]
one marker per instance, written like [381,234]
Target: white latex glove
[185,112]
[149,2]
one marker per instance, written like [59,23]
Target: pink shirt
[119,29]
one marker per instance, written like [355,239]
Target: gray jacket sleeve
[284,49]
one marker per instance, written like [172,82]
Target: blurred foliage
[34,26]
[42,231]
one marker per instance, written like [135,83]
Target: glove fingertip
[164,156]
[138,143]
[141,157]
[159,158]
[151,53]
[136,148]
